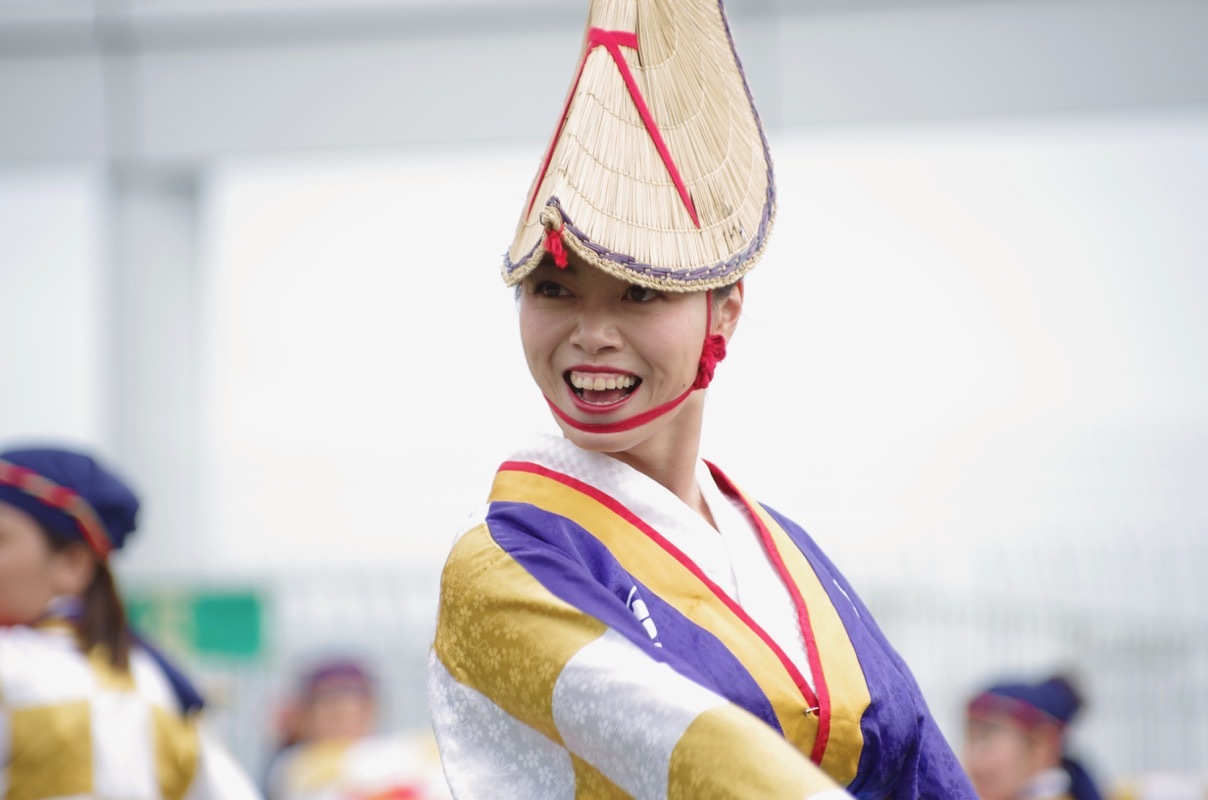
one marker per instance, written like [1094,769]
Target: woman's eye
[549,289]
[640,294]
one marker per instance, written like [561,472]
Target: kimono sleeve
[932,768]
[531,696]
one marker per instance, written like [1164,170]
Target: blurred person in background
[332,749]
[622,619]
[1160,786]
[87,708]
[1015,742]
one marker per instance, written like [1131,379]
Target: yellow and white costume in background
[374,768]
[74,728]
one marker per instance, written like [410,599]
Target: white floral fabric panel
[625,713]
[486,752]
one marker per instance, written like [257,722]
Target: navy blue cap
[1051,700]
[336,673]
[70,494]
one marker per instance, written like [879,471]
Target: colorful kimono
[598,638]
[74,728]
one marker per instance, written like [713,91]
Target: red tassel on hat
[713,351]
[554,246]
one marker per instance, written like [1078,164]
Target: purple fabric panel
[905,755]
[577,568]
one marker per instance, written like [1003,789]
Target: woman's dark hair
[102,620]
[719,292]
[722,292]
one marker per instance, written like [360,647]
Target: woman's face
[1001,757]
[28,567]
[603,350]
[342,714]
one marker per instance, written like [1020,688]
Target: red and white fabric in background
[396,767]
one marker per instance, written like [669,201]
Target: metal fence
[1145,679]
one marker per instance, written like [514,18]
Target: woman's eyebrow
[548,262]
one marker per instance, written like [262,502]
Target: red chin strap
[713,351]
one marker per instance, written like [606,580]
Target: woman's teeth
[598,382]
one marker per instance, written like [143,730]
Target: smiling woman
[611,356]
[624,620]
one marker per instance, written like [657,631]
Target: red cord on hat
[713,351]
[62,498]
[554,246]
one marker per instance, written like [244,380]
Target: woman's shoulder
[151,680]
[801,539]
[731,486]
[44,665]
[473,551]
[52,636]
[40,665]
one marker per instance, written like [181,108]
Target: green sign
[225,624]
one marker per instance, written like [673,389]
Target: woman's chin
[594,442]
[627,427]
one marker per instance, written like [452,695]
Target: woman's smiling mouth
[604,390]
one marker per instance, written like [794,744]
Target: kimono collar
[641,494]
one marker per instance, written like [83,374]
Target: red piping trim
[612,504]
[61,498]
[803,614]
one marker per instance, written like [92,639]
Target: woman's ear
[725,318]
[1048,745]
[72,570]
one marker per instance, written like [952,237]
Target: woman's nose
[596,331]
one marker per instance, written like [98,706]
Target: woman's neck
[669,459]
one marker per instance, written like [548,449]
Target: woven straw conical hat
[658,171]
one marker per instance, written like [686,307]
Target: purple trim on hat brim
[693,274]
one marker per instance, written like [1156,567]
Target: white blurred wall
[953,316]
[52,303]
